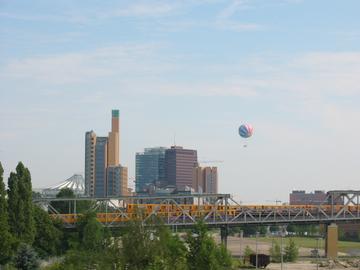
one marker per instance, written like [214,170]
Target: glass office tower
[150,168]
[100,166]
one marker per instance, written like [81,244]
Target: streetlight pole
[317,253]
[241,237]
[281,250]
[257,235]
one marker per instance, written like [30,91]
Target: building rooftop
[75,182]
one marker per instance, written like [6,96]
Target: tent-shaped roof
[75,182]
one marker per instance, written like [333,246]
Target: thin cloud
[82,67]
[145,68]
[231,9]
[225,19]
[27,17]
[140,9]
[134,9]
[238,26]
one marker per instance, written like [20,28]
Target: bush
[291,251]
[275,253]
[26,258]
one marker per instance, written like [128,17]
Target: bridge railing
[213,209]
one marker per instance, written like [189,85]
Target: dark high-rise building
[100,166]
[179,165]
[150,168]
[90,142]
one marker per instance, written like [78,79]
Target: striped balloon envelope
[246,130]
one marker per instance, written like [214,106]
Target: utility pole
[256,261]
[281,249]
[317,253]
[241,237]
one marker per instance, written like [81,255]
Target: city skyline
[195,70]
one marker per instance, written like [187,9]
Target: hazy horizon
[193,69]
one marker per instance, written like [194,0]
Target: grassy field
[344,246]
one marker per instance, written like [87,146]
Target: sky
[191,71]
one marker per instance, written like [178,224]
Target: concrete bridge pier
[331,244]
[223,235]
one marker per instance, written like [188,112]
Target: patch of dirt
[237,246]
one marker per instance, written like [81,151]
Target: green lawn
[344,246]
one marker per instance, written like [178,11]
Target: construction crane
[275,201]
[211,161]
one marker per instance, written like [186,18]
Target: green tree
[36,195]
[48,236]
[274,228]
[139,247]
[234,231]
[247,252]
[13,204]
[249,230]
[5,236]
[275,252]
[152,247]
[25,193]
[291,251]
[223,257]
[341,234]
[68,207]
[92,233]
[64,207]
[170,250]
[262,230]
[291,228]
[203,252]
[90,247]
[20,206]
[87,259]
[26,258]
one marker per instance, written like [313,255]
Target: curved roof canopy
[75,182]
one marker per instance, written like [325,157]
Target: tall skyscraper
[150,168]
[198,179]
[210,180]
[90,142]
[113,153]
[205,179]
[179,165]
[104,176]
[101,166]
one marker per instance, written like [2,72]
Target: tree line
[26,231]
[28,234]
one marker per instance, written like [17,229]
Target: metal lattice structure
[216,210]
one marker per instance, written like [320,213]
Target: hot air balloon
[246,131]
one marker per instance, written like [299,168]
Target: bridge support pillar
[331,246]
[224,234]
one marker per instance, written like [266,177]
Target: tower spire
[114,141]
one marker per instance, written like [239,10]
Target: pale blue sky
[195,68]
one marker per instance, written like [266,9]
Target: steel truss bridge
[216,210]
